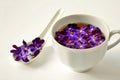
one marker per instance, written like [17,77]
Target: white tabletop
[25,19]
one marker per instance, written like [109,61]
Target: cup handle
[116,42]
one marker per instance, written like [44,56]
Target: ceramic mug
[83,59]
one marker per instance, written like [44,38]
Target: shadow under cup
[81,59]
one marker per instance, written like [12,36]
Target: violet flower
[27,51]
[80,38]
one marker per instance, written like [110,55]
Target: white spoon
[29,51]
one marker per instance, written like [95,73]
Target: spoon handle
[47,31]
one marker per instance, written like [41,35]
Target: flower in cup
[73,36]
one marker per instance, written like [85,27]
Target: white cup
[82,60]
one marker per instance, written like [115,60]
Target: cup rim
[106,37]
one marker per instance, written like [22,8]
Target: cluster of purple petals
[27,51]
[76,37]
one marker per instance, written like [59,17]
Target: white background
[25,19]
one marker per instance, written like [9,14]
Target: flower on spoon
[36,46]
[27,51]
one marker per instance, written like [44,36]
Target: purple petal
[17,51]
[36,40]
[102,38]
[77,45]
[32,47]
[13,51]
[73,25]
[18,58]
[25,59]
[89,26]
[63,43]
[36,53]
[96,30]
[15,46]
[83,46]
[24,44]
[24,52]
[42,41]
